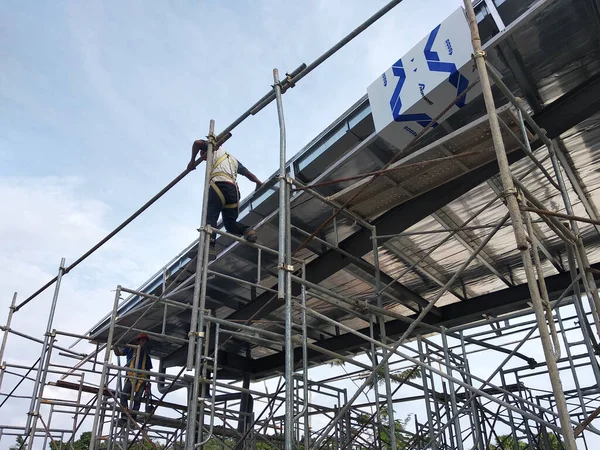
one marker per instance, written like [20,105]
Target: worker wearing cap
[136,359]
[224,194]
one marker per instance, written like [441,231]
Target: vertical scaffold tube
[519,229]
[383,337]
[100,396]
[11,311]
[43,366]
[283,271]
[199,298]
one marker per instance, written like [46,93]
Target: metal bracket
[289,78]
[207,229]
[212,140]
[480,54]
[286,267]
[199,334]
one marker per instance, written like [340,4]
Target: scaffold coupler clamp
[290,83]
[198,334]
[510,192]
[282,86]
[212,140]
[286,267]
[50,333]
[361,306]
[207,229]
[479,54]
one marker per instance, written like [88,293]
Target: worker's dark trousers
[137,396]
[230,215]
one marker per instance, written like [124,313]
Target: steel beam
[438,278]
[496,303]
[443,218]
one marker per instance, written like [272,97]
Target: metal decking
[448,176]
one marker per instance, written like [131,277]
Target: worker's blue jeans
[216,206]
[137,396]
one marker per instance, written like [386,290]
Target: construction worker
[224,194]
[136,359]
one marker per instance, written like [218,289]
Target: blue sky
[99,105]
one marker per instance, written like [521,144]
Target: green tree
[507,442]
[20,444]
[83,443]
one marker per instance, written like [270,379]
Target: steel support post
[419,318]
[519,230]
[582,260]
[199,297]
[193,398]
[40,391]
[545,299]
[203,394]
[11,311]
[513,426]
[49,425]
[580,252]
[455,415]
[585,326]
[200,370]
[422,354]
[375,380]
[304,411]
[103,376]
[383,338]
[571,362]
[43,365]
[447,413]
[440,373]
[284,274]
[475,423]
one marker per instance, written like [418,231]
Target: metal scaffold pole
[40,378]
[383,337]
[519,229]
[11,311]
[284,269]
[199,297]
[195,358]
[104,375]
[261,328]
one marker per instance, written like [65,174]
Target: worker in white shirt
[224,194]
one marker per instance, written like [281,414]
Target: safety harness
[214,174]
[132,375]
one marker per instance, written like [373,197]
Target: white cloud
[143,81]
[44,218]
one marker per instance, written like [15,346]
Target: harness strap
[222,197]
[140,382]
[133,375]
[221,174]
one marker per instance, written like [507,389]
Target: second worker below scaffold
[224,193]
[137,384]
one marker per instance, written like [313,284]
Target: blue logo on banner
[396,102]
[435,65]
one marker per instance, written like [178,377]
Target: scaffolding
[401,355]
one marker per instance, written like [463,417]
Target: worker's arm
[245,172]
[119,351]
[196,147]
